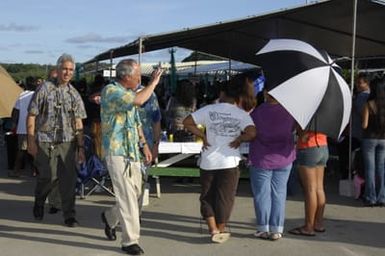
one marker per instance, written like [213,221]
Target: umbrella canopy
[9,92]
[307,83]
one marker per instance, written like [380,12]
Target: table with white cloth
[179,151]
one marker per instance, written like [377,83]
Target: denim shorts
[312,157]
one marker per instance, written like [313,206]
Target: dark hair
[99,80]
[245,82]
[30,83]
[185,93]
[231,90]
[364,76]
[377,94]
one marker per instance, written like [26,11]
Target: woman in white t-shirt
[227,126]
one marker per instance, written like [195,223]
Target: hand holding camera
[155,76]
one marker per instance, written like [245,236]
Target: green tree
[21,71]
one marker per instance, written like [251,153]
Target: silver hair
[64,58]
[125,68]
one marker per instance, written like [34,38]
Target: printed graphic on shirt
[224,125]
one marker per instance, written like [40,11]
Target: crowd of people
[124,118]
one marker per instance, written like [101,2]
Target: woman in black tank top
[373,144]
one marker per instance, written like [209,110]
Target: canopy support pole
[111,63]
[229,73]
[352,82]
[140,50]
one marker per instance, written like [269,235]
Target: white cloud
[95,38]
[12,27]
[86,46]
[34,52]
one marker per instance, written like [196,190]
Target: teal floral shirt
[120,121]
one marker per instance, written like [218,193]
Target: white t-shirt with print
[22,104]
[224,122]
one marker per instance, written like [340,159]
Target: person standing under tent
[373,144]
[227,126]
[150,116]
[312,157]
[359,100]
[19,118]
[271,155]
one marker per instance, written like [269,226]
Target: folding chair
[92,174]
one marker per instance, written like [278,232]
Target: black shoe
[133,249]
[71,222]
[53,210]
[380,204]
[38,212]
[110,232]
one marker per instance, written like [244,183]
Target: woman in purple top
[271,155]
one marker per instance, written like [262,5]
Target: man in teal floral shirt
[121,135]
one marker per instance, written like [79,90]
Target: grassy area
[174,171]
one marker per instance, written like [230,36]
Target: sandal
[219,238]
[300,232]
[275,236]
[261,234]
[320,230]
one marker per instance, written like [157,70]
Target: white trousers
[126,179]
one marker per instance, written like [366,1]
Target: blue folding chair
[92,174]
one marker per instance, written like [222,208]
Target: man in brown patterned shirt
[55,114]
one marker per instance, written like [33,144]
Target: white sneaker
[275,236]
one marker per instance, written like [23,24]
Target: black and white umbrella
[306,82]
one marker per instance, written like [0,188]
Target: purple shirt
[273,148]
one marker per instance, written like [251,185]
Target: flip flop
[300,232]
[320,230]
[261,234]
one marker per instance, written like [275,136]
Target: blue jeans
[269,191]
[373,153]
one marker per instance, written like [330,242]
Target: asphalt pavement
[171,225]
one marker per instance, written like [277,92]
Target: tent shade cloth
[306,82]
[218,68]
[325,25]
[9,92]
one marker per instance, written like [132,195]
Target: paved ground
[171,226]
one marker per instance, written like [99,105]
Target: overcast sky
[41,30]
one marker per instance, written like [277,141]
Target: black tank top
[373,130]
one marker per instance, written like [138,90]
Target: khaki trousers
[126,180]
